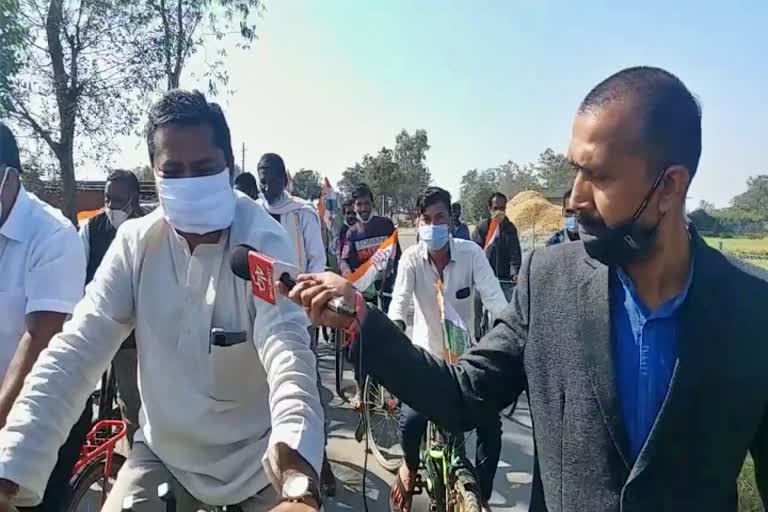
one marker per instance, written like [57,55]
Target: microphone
[262,271]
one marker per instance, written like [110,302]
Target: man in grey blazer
[643,349]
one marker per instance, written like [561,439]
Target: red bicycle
[96,470]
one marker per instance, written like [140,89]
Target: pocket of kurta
[229,368]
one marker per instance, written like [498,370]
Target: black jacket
[504,254]
[556,333]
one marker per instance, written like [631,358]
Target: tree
[476,188]
[755,199]
[74,73]
[179,29]
[307,184]
[351,178]
[144,173]
[410,155]
[514,179]
[554,171]
[706,206]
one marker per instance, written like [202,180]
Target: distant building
[90,194]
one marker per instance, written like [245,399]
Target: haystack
[530,210]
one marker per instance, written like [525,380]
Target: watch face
[296,486]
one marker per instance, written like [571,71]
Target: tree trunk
[68,183]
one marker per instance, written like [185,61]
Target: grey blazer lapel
[594,332]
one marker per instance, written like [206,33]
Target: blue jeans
[413,426]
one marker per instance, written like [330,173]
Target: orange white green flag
[492,234]
[456,337]
[366,275]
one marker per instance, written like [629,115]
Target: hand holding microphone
[328,298]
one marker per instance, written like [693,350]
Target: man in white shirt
[460,268]
[41,280]
[230,411]
[302,222]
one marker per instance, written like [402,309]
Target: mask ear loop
[648,196]
[7,170]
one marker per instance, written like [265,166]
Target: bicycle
[450,480]
[96,470]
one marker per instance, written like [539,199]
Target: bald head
[664,118]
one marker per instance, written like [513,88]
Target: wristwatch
[299,488]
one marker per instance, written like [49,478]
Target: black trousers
[58,492]
[413,426]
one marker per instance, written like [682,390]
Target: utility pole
[242,162]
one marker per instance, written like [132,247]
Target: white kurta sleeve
[282,340]
[65,374]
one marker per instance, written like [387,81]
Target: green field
[753,251]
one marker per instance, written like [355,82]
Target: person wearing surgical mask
[462,270]
[570,231]
[121,202]
[230,409]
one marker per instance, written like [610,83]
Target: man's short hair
[9,149]
[274,162]
[495,195]
[362,190]
[246,182]
[126,178]
[669,112]
[349,203]
[433,195]
[185,108]
[456,207]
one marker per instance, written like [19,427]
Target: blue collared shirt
[645,345]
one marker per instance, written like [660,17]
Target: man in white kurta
[210,417]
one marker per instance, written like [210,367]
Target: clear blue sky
[490,81]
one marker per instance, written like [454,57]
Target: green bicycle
[448,476]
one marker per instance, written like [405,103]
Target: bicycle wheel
[434,469]
[89,485]
[466,494]
[340,360]
[382,421]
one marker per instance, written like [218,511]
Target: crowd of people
[640,359]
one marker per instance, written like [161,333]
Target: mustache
[590,221]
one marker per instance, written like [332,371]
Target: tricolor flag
[493,233]
[456,337]
[374,269]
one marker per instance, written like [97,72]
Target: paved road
[512,485]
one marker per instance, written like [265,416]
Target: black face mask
[623,243]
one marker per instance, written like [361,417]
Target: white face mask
[198,205]
[116,217]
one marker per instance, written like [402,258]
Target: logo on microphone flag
[365,277]
[262,276]
[455,333]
